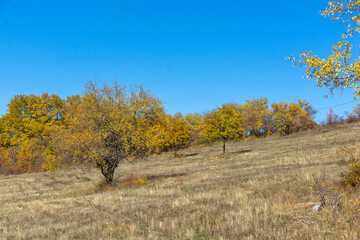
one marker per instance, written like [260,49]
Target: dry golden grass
[262,189]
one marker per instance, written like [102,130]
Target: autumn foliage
[110,124]
[195,125]
[223,124]
[256,116]
[292,117]
[176,134]
[25,130]
[340,69]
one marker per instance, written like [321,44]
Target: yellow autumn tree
[195,126]
[223,124]
[302,116]
[292,117]
[256,116]
[176,134]
[25,128]
[108,125]
[339,70]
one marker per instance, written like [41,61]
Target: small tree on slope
[224,124]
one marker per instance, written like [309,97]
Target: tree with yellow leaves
[176,133]
[195,126]
[25,127]
[256,116]
[29,116]
[338,71]
[292,117]
[108,125]
[224,124]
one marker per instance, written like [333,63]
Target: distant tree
[108,125]
[29,116]
[349,117]
[356,110]
[195,126]
[282,118]
[302,116]
[292,117]
[338,71]
[332,118]
[176,133]
[224,124]
[256,116]
[25,127]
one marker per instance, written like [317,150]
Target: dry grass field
[262,189]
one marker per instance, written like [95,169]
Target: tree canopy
[108,125]
[177,134]
[341,69]
[224,124]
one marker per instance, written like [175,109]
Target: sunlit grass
[261,189]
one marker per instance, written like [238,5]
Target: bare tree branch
[333,200]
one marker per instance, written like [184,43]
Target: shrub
[131,181]
[332,118]
[350,117]
[352,177]
[356,111]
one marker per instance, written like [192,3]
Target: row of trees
[105,126]
[111,124]
[254,118]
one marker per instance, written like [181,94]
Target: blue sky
[195,55]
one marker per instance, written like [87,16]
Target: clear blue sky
[195,55]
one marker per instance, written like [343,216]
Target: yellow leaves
[335,71]
[27,125]
[255,113]
[292,117]
[195,125]
[131,181]
[224,124]
[110,124]
[31,154]
[30,116]
[176,134]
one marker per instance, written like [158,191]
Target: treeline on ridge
[110,124]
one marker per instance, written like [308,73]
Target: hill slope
[261,189]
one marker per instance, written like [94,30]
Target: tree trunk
[107,168]
[109,178]
[224,142]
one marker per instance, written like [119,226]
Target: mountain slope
[262,189]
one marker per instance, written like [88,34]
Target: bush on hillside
[352,177]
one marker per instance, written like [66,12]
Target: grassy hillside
[261,189]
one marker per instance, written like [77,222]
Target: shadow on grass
[191,154]
[164,176]
[241,151]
